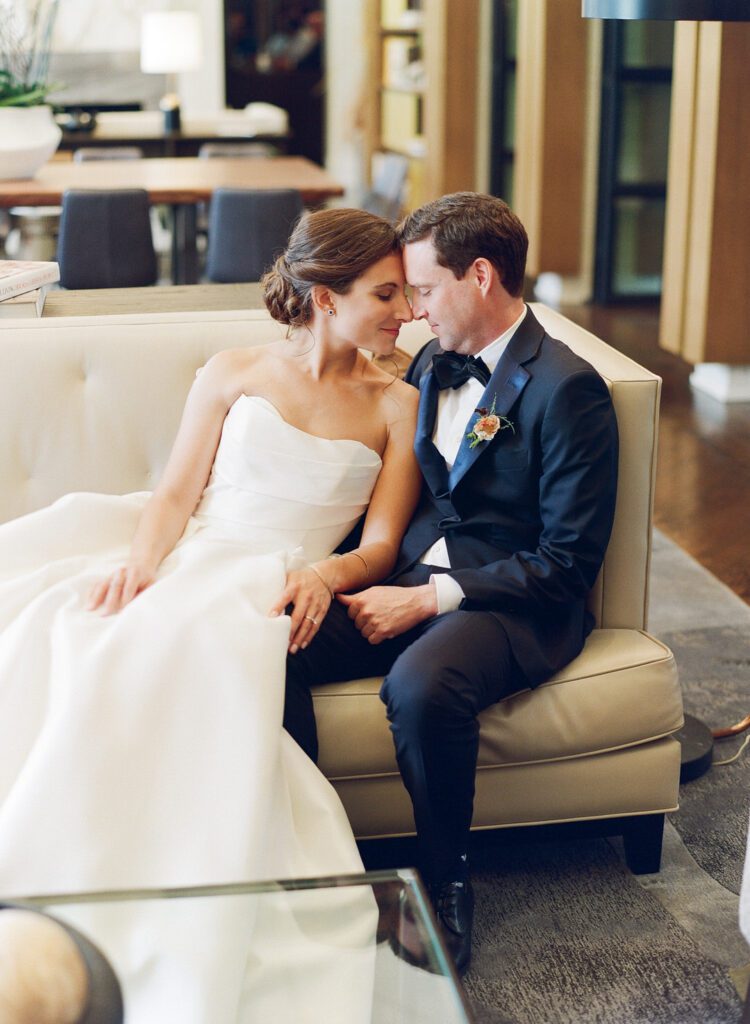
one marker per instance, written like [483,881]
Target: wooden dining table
[179,182]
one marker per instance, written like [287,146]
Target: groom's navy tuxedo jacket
[527,515]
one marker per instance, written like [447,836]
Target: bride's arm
[388,515]
[167,511]
[392,504]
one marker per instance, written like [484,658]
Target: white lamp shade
[170,42]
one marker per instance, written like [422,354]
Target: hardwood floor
[703,474]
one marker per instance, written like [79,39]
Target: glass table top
[351,949]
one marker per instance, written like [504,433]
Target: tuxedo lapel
[429,458]
[504,388]
[504,392]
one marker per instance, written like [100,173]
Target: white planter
[28,138]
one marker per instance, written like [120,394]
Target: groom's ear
[482,273]
[323,298]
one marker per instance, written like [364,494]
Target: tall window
[503,98]
[636,90]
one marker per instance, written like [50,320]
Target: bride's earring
[330,311]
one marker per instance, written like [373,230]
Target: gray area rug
[565,934]
[714,667]
[708,629]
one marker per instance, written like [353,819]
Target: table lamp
[170,43]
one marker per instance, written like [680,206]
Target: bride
[143,637]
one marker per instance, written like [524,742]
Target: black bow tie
[452,370]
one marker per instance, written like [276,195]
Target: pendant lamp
[668,10]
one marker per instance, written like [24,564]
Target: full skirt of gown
[145,749]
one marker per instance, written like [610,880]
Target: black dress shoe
[454,909]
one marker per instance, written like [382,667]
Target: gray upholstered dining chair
[33,230]
[234,151]
[238,150]
[85,153]
[161,224]
[105,239]
[247,229]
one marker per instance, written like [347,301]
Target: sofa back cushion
[93,404]
[620,596]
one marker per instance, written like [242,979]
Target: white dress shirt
[455,409]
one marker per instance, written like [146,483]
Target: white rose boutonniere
[488,424]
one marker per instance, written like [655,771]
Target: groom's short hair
[466,226]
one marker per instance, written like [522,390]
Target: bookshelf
[422,91]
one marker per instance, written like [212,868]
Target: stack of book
[23,286]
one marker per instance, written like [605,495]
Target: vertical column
[679,184]
[706,303]
[352,98]
[551,105]
[450,53]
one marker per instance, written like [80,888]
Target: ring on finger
[315,621]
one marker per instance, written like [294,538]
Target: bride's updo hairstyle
[330,248]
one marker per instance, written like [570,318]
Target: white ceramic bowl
[28,138]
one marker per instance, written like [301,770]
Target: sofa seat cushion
[622,690]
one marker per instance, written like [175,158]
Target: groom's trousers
[438,677]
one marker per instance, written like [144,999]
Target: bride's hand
[311,598]
[111,594]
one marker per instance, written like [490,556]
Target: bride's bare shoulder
[399,401]
[238,358]
[231,372]
[405,393]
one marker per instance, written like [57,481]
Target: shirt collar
[491,353]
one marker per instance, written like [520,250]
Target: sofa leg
[642,838]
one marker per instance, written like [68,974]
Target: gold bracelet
[362,560]
[322,580]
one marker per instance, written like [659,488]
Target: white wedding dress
[145,749]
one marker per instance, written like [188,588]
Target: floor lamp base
[697,743]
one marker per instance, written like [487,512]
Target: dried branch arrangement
[25,40]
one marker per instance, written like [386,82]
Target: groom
[517,443]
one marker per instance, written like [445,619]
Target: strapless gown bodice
[273,485]
[146,749]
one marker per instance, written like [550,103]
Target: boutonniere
[488,424]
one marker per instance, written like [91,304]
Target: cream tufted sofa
[92,403]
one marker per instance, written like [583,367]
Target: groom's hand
[381,613]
